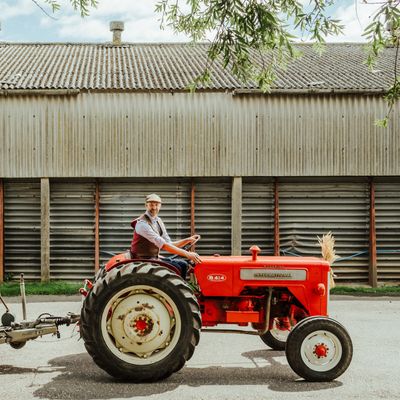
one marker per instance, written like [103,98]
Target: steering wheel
[187,246]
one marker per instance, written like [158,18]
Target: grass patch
[31,288]
[367,291]
[68,288]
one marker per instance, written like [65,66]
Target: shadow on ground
[80,378]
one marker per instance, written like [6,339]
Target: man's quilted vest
[140,246]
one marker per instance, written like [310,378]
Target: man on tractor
[150,236]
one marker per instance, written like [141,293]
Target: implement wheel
[141,322]
[319,349]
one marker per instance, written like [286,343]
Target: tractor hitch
[16,334]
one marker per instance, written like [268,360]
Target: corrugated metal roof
[172,66]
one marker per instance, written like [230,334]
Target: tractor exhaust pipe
[267,313]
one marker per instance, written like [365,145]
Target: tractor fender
[125,258]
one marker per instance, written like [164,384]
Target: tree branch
[44,11]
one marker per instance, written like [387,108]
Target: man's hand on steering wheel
[195,238]
[192,240]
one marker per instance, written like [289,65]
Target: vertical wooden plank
[192,211]
[45,229]
[373,272]
[96,227]
[236,216]
[1,231]
[276,219]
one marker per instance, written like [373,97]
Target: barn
[87,130]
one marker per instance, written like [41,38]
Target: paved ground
[223,367]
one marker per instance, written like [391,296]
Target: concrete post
[45,229]
[236,216]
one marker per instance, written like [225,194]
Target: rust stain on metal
[373,273]
[1,231]
[192,212]
[276,219]
[97,228]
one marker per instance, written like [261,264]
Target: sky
[24,21]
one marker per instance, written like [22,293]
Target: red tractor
[141,321]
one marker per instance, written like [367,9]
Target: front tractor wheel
[141,322]
[319,349]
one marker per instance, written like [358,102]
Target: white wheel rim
[279,334]
[321,351]
[141,325]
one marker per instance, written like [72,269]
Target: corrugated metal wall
[308,208]
[22,228]
[387,205]
[72,220]
[258,215]
[213,216]
[23,133]
[122,201]
[312,208]
[206,134]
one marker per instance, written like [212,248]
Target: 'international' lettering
[251,274]
[269,275]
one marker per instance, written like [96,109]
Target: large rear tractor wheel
[319,349]
[140,322]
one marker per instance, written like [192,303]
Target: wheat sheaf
[327,243]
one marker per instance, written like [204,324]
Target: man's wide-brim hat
[153,197]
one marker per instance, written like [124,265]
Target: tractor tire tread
[300,332]
[105,284]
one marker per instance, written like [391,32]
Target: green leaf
[382,123]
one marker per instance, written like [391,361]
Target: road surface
[223,366]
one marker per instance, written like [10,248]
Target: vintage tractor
[141,321]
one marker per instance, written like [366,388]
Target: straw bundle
[327,243]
